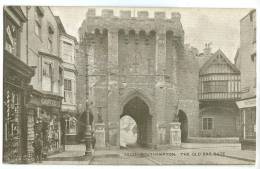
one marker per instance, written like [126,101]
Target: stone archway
[139,110]
[184,125]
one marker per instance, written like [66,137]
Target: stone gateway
[138,66]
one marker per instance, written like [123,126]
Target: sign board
[246,103]
[50,102]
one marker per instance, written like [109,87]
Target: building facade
[138,66]
[44,112]
[68,49]
[219,89]
[246,62]
[16,89]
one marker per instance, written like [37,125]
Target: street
[199,154]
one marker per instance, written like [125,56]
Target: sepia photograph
[97,85]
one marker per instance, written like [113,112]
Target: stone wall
[226,120]
[139,57]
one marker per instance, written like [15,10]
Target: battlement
[128,20]
[159,15]
[127,14]
[107,13]
[142,14]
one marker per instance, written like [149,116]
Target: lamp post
[87,134]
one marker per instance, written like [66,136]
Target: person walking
[93,141]
[37,146]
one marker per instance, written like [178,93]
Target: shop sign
[50,102]
[246,103]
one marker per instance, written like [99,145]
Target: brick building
[138,66]
[219,88]
[68,48]
[246,63]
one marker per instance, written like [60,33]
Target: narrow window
[207,123]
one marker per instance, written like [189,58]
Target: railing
[219,95]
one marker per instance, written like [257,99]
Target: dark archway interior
[184,125]
[139,111]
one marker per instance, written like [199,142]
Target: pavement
[189,153]
[73,155]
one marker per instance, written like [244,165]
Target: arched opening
[128,132]
[138,110]
[184,125]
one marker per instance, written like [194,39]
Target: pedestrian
[37,145]
[93,141]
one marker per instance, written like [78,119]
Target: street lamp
[87,134]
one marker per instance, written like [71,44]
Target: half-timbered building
[219,86]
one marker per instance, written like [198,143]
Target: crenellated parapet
[126,21]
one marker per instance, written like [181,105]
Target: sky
[221,27]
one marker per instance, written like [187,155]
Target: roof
[62,29]
[249,13]
[202,59]
[60,25]
[213,57]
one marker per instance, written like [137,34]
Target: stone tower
[138,66]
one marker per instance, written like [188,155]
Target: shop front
[16,90]
[248,120]
[44,120]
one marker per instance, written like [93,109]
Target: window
[254,35]
[68,97]
[207,123]
[67,84]
[38,22]
[50,38]
[71,125]
[47,74]
[11,37]
[251,16]
[50,45]
[37,29]
[253,56]
[215,86]
[47,69]
[67,51]
[149,65]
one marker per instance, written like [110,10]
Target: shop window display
[11,125]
